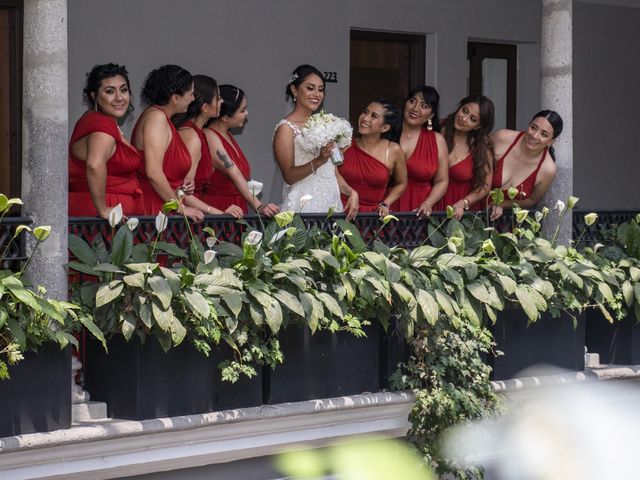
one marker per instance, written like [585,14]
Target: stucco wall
[606,98]
[256,43]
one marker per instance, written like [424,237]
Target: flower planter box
[323,365]
[617,343]
[142,381]
[550,341]
[37,397]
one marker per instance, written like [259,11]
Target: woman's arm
[194,145]
[223,162]
[440,179]
[478,193]
[400,177]
[100,148]
[284,153]
[353,203]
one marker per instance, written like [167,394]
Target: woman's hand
[189,186]
[352,206]
[325,152]
[496,212]
[268,209]
[458,209]
[234,211]
[383,209]
[193,214]
[424,210]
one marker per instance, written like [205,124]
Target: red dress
[175,166]
[460,182]
[220,192]
[205,166]
[122,185]
[526,187]
[422,166]
[366,175]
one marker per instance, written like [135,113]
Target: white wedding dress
[322,186]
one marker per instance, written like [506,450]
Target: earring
[429,125]
[295,99]
[95,105]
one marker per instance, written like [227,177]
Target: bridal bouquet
[323,128]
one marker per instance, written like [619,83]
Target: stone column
[44,141]
[556,93]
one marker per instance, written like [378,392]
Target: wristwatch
[465,201]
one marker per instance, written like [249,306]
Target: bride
[304,173]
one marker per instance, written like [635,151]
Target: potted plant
[35,332]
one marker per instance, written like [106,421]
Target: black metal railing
[12,257]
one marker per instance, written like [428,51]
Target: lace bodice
[322,185]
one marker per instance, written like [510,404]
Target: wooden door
[383,65]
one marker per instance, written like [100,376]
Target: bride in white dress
[304,173]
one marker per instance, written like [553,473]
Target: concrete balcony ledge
[120,448]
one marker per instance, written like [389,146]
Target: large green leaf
[420,255]
[256,312]
[108,293]
[527,303]
[627,292]
[353,236]
[233,300]
[331,304]
[325,257]
[161,290]
[88,323]
[313,309]
[173,278]
[445,302]
[24,296]
[479,291]
[171,249]
[81,250]
[508,284]
[274,316]
[82,267]
[290,301]
[178,332]
[16,332]
[163,316]
[428,305]
[128,324]
[605,291]
[134,280]
[197,303]
[121,246]
[636,289]
[145,312]
[107,267]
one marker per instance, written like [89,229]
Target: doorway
[493,72]
[385,65]
[10,96]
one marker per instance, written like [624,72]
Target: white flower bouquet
[323,128]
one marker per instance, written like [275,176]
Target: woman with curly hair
[470,154]
[167,90]
[103,165]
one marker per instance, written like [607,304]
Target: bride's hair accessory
[293,77]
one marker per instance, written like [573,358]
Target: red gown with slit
[220,192]
[175,166]
[122,185]
[422,165]
[460,183]
[366,175]
[526,186]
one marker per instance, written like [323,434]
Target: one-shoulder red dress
[204,171]
[175,166]
[366,175]
[220,192]
[122,185]
[422,165]
[460,183]
[526,186]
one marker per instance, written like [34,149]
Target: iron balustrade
[13,257]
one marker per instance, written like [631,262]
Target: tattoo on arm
[224,158]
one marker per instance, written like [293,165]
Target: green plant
[27,318]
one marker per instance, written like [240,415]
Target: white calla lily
[255,187]
[115,215]
[211,241]
[209,255]
[132,223]
[161,222]
[304,200]
[253,238]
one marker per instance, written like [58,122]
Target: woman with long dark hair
[374,156]
[204,107]
[425,150]
[168,90]
[466,132]
[103,165]
[525,160]
[228,186]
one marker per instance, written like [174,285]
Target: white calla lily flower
[161,222]
[115,215]
[255,187]
[253,238]
[209,255]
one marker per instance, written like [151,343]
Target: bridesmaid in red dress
[374,157]
[168,90]
[102,163]
[206,105]
[470,154]
[228,185]
[525,161]
[425,150]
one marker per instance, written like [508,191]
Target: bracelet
[261,207]
[383,205]
[208,210]
[465,202]
[313,170]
